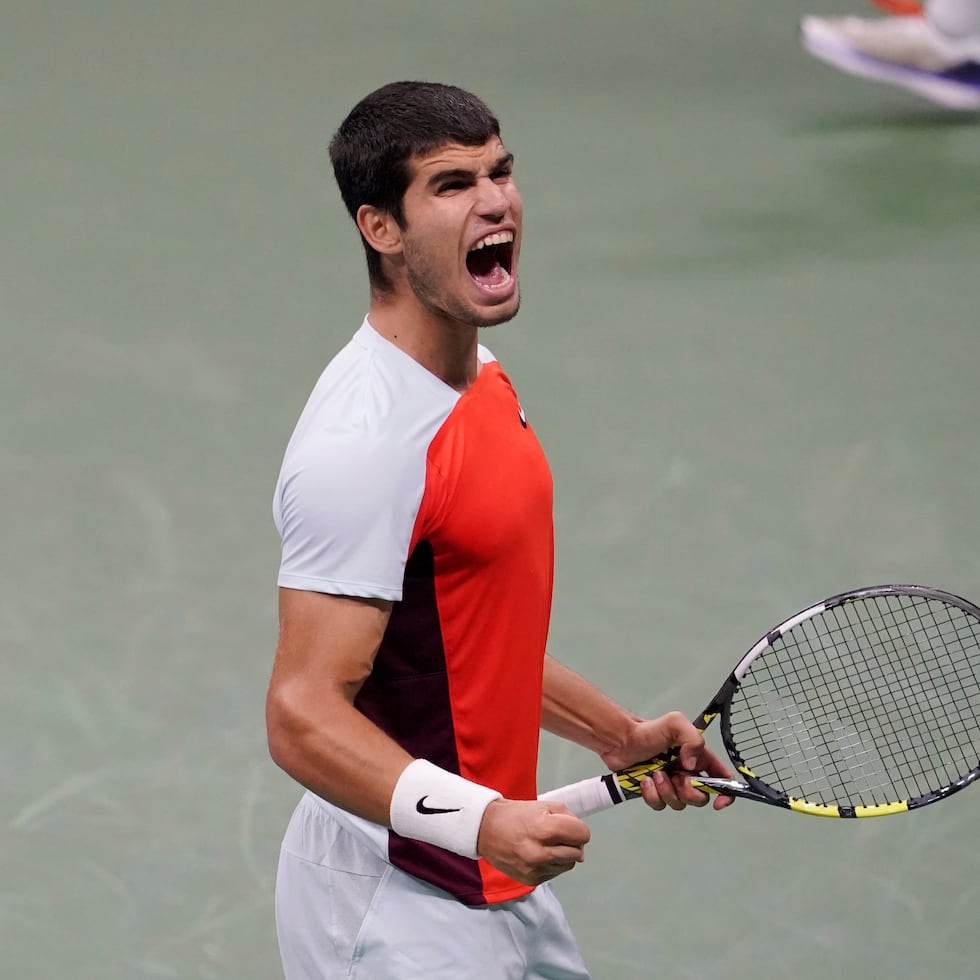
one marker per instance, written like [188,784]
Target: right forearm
[353,764]
[336,753]
[327,644]
[326,651]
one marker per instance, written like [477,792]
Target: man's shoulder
[373,408]
[376,388]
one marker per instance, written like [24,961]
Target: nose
[493,203]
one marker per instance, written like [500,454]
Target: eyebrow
[461,173]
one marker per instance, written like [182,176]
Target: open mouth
[490,261]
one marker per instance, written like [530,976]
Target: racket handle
[599,793]
[583,798]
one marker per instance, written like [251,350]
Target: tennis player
[411,679]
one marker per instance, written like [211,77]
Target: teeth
[500,238]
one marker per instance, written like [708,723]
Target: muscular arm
[576,710]
[327,645]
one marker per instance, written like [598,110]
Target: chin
[501,315]
[493,313]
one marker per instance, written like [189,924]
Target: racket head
[866,704]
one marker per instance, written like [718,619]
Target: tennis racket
[863,705]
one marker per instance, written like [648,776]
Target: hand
[532,841]
[666,789]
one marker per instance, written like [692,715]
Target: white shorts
[344,912]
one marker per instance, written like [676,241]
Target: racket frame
[625,784]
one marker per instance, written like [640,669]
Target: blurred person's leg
[936,54]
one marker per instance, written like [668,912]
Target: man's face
[461,233]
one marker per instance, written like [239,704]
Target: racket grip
[583,798]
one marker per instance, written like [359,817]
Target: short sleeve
[345,507]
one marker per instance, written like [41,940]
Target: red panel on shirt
[487,514]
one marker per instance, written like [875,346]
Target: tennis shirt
[396,486]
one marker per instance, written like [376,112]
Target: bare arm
[576,710]
[327,645]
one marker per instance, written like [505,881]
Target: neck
[443,346]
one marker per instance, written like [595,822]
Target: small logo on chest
[521,415]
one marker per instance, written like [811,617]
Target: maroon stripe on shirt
[407,696]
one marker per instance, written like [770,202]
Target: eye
[452,186]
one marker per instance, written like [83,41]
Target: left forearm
[573,708]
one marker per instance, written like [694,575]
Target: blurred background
[749,343]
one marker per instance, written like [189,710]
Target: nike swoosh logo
[422,808]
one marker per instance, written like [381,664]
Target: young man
[933,51]
[415,509]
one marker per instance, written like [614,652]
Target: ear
[380,230]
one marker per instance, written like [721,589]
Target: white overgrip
[583,798]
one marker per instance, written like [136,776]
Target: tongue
[485,269]
[497,276]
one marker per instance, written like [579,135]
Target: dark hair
[370,152]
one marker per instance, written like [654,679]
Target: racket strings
[866,703]
[941,688]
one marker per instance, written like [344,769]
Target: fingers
[531,841]
[674,737]
[661,791]
[674,791]
[564,828]
[673,732]
[708,763]
[563,840]
[721,801]
[688,740]
[693,756]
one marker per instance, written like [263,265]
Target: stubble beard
[425,284]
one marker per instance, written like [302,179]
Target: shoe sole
[945,92]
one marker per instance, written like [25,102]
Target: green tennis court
[750,343]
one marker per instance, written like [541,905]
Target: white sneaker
[904,51]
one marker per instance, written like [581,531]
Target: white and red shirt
[396,486]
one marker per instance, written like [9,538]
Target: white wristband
[438,807]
